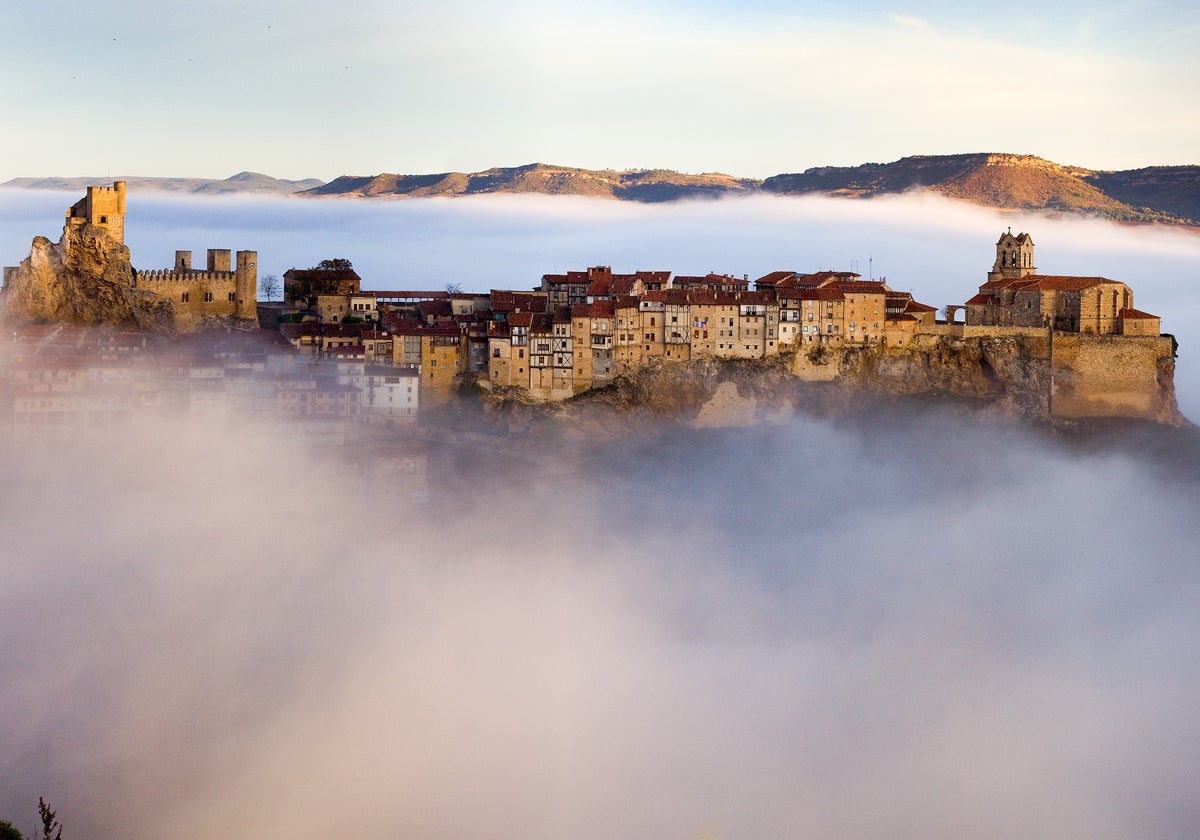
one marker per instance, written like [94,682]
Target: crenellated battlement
[182,297]
[198,277]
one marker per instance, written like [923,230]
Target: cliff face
[1077,377]
[85,278]
[1023,377]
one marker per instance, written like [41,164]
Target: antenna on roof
[871,267]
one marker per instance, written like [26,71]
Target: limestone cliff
[1077,378]
[85,278]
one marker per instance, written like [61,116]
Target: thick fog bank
[938,250]
[930,627]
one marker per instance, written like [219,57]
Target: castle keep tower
[1014,257]
[103,207]
[245,284]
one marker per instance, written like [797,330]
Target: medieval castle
[195,297]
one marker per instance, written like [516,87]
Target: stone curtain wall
[1113,376]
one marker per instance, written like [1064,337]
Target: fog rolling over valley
[907,626]
[909,622]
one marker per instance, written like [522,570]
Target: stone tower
[103,207]
[246,285]
[1014,257]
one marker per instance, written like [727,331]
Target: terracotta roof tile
[1062,283]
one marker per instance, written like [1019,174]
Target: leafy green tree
[8,831]
[324,278]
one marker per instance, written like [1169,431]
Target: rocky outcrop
[1077,377]
[86,279]
[1021,376]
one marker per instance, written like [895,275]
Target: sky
[314,89]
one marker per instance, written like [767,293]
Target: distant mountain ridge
[1168,194]
[1014,182]
[650,185]
[243,182]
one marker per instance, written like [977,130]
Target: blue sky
[319,89]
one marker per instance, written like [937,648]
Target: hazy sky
[317,89]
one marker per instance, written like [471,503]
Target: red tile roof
[861,287]
[600,288]
[1062,283]
[809,293]
[509,301]
[773,278]
[1135,314]
[597,309]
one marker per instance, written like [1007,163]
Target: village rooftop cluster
[577,331]
[380,356]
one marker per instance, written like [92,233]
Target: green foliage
[336,264]
[819,354]
[8,831]
[51,829]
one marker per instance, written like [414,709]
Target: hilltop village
[1076,344]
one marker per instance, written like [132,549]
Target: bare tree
[270,286]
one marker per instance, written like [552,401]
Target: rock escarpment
[1071,379]
[86,279]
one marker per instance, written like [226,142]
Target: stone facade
[220,290]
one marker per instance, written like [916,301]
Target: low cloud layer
[926,629]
